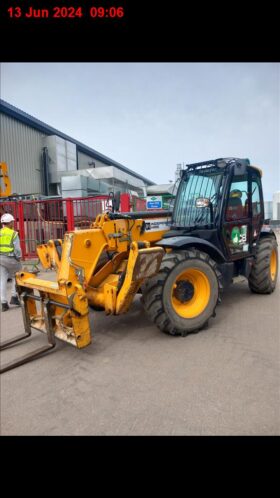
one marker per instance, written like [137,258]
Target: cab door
[257,206]
[237,228]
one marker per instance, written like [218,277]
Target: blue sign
[153,204]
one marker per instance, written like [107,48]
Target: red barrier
[39,221]
[12,208]
[70,214]
[125,203]
[139,204]
[132,203]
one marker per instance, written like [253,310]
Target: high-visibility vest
[7,237]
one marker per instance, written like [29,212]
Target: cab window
[256,198]
[237,205]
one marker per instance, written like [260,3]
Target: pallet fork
[102,267]
[28,331]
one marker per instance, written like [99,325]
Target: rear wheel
[263,276]
[183,295]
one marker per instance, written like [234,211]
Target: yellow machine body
[5,182]
[103,267]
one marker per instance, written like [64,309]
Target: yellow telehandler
[217,232]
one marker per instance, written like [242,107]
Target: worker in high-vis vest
[10,254]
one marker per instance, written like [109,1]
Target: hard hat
[235,193]
[7,218]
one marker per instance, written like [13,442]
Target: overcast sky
[150,117]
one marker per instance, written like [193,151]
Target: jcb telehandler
[217,232]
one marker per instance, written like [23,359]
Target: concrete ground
[135,380]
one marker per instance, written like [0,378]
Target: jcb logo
[242,238]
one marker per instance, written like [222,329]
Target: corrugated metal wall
[84,160]
[21,148]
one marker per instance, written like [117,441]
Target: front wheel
[183,295]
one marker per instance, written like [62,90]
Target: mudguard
[184,242]
[266,230]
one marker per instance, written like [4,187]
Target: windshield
[199,183]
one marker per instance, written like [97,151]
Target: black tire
[261,280]
[158,292]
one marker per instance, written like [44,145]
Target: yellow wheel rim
[190,293]
[273,264]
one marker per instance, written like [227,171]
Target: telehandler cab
[217,232]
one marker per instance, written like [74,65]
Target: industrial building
[268,210]
[276,206]
[44,161]
[272,208]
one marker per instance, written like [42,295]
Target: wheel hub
[190,293]
[184,291]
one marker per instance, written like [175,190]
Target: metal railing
[41,220]
[38,221]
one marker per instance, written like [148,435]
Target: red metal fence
[132,203]
[39,221]
[138,204]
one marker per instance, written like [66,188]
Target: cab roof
[223,162]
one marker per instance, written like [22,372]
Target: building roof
[163,188]
[29,120]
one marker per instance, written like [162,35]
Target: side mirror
[202,202]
